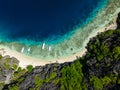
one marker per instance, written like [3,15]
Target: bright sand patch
[27,60]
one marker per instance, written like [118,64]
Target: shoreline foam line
[27,60]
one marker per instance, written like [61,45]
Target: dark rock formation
[118,21]
[43,72]
[6,71]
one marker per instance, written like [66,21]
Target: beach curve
[27,60]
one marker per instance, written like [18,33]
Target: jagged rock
[6,71]
[2,78]
[14,60]
[49,86]
[28,82]
[116,68]
[118,21]
[6,57]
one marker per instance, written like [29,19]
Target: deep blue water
[38,20]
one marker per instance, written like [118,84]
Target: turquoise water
[44,35]
[35,22]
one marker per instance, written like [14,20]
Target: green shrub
[14,66]
[118,82]
[72,77]
[1,85]
[56,81]
[96,82]
[1,57]
[7,66]
[20,79]
[29,68]
[52,76]
[15,87]
[38,82]
[108,33]
[106,80]
[19,69]
[116,52]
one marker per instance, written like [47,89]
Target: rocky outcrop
[6,70]
[118,21]
[104,62]
[43,72]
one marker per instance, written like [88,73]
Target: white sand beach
[27,60]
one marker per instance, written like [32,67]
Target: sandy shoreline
[27,60]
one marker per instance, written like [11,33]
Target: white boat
[29,49]
[22,50]
[43,46]
[49,49]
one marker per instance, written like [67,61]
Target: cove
[41,20]
[51,29]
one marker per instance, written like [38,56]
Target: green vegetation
[118,81]
[99,83]
[29,68]
[6,63]
[103,52]
[1,57]
[116,52]
[31,89]
[20,79]
[52,76]
[55,67]
[113,78]
[38,82]
[106,80]
[100,53]
[72,77]
[19,69]
[19,73]
[1,85]
[106,34]
[14,66]
[14,87]
[56,81]
[7,66]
